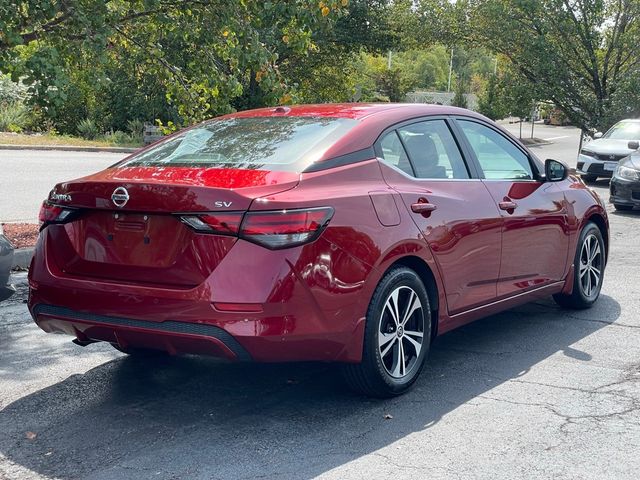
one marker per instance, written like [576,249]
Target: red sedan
[343,233]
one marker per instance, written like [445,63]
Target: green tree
[191,59]
[578,54]
[459,98]
[491,102]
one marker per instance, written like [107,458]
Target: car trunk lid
[144,241]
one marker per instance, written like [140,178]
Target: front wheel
[588,272]
[396,339]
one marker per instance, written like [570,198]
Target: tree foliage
[185,60]
[581,54]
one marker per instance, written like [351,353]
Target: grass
[56,140]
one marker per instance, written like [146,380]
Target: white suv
[600,157]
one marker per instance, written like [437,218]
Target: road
[29,175]
[563,141]
[535,392]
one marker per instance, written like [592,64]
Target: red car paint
[137,276]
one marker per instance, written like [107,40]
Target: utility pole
[389,61]
[450,71]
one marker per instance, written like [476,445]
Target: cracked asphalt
[535,392]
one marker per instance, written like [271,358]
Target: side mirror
[633,145]
[555,171]
[597,135]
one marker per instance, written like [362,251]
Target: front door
[455,212]
[534,239]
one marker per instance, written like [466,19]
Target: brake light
[271,229]
[285,228]
[50,213]
[223,223]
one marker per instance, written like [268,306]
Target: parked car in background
[351,233]
[600,157]
[625,184]
[6,261]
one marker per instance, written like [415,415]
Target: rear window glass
[268,143]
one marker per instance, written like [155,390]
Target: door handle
[507,205]
[423,206]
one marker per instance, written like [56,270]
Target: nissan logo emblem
[120,197]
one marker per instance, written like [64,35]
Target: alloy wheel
[401,332]
[591,262]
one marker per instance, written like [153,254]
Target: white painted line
[556,138]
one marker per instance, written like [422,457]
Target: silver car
[6,261]
[600,157]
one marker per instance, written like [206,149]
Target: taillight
[271,229]
[50,213]
[285,228]
[221,223]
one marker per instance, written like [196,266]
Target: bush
[87,129]
[14,117]
[136,129]
[11,92]
[120,138]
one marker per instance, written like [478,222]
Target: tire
[140,352]
[589,178]
[381,373]
[588,274]
[623,208]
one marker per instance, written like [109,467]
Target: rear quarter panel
[344,266]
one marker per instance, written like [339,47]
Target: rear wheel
[622,208]
[397,337]
[589,264]
[589,178]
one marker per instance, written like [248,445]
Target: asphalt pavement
[27,177]
[535,392]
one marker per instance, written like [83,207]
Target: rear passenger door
[534,239]
[452,208]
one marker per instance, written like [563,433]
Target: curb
[532,142]
[22,258]
[70,148]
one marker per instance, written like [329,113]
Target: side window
[394,154]
[498,157]
[433,150]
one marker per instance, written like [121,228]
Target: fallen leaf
[31,435]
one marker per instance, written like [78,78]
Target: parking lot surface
[29,175]
[534,392]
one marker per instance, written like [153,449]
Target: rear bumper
[624,192]
[6,261]
[174,337]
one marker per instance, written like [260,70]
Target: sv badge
[221,204]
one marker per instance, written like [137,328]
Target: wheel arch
[427,276]
[602,225]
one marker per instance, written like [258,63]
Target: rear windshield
[268,143]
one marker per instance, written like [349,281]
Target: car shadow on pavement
[195,417]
